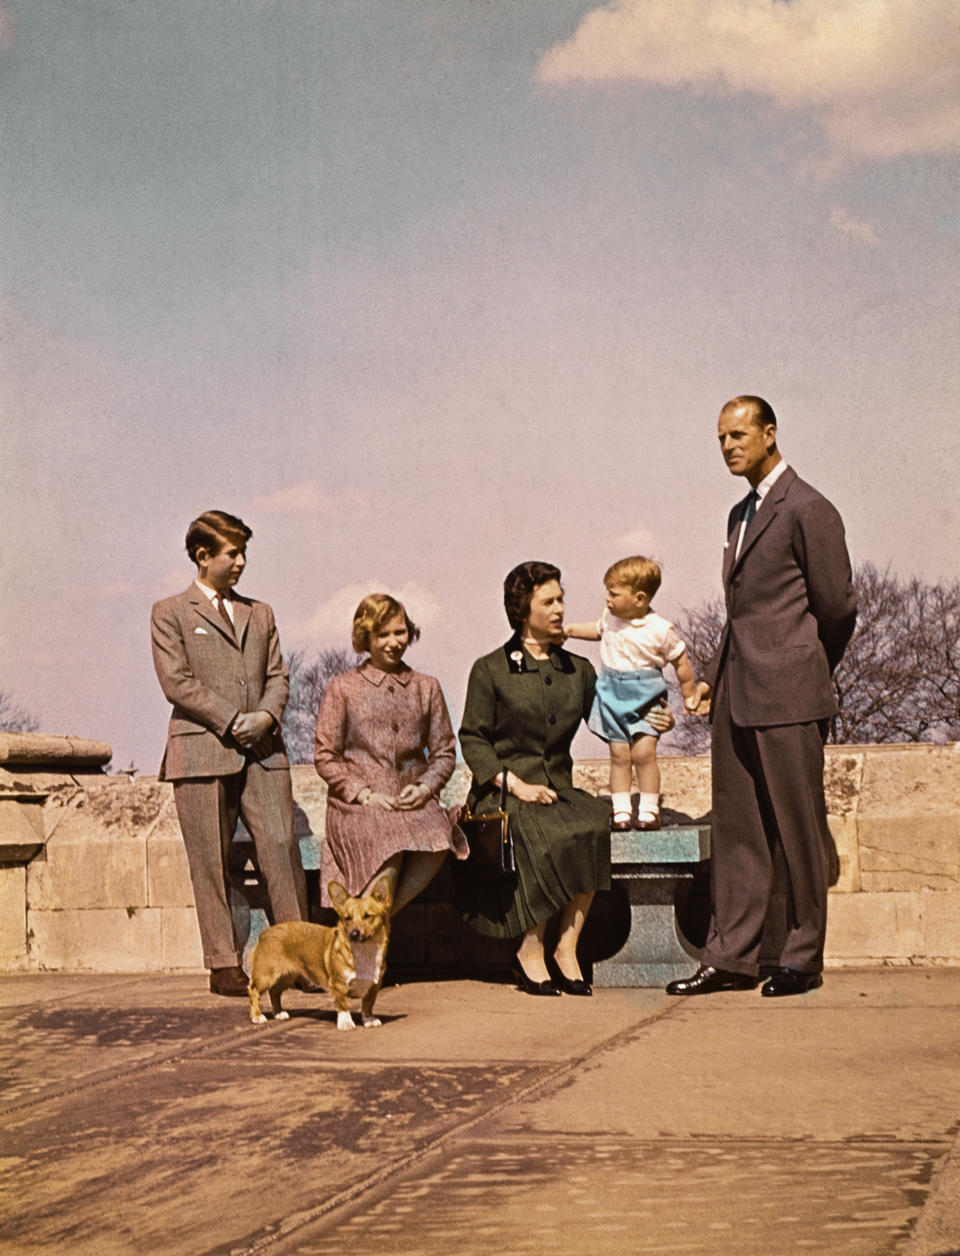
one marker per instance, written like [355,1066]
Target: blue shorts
[621,702]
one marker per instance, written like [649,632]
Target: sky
[421,289]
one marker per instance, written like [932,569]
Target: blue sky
[421,290]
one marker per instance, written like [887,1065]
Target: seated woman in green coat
[524,704]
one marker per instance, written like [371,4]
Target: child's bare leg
[644,755]
[620,781]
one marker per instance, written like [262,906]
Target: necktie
[221,607]
[749,511]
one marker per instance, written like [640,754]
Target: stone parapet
[107,887]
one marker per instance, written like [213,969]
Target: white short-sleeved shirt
[628,644]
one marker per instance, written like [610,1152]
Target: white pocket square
[200,630]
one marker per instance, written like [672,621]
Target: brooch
[516,657]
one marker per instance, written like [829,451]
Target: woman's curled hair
[519,586]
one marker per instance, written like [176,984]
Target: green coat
[522,714]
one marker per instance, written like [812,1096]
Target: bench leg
[656,950]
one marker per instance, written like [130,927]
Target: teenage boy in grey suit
[791,610]
[217,657]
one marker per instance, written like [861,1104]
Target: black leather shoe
[533,987]
[707,980]
[789,981]
[231,982]
[569,985]
[620,826]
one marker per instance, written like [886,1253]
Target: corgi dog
[348,959]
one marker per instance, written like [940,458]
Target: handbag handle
[503,789]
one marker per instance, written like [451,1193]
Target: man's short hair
[520,586]
[215,529]
[640,574]
[374,611]
[762,410]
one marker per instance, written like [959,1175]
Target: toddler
[635,646]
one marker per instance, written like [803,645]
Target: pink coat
[383,731]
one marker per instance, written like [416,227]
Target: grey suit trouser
[767,792]
[208,808]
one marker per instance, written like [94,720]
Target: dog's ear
[383,889]
[338,894]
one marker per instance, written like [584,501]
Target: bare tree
[941,646]
[309,677]
[898,681]
[13,717]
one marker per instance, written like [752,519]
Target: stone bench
[662,878]
[653,918]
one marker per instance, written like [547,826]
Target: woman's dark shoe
[566,986]
[532,987]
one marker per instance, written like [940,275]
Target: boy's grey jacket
[211,676]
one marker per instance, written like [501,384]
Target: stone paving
[141,1115]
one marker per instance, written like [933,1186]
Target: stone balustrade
[93,875]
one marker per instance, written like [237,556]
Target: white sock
[621,805]
[649,807]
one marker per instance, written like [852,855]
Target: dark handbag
[490,839]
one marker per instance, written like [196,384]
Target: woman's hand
[661,717]
[386,802]
[414,796]
[530,793]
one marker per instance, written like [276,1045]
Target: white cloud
[306,499]
[863,232]
[637,541]
[881,76]
[332,619]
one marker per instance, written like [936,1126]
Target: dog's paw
[345,1021]
[282,1016]
[372,1022]
[259,1020]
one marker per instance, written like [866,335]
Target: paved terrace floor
[142,1115]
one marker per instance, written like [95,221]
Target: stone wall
[93,874]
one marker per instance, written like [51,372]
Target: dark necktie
[751,507]
[749,511]
[221,607]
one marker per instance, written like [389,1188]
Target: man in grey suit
[218,660]
[791,610]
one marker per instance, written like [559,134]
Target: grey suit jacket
[211,676]
[791,608]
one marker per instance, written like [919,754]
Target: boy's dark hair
[213,530]
[519,586]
